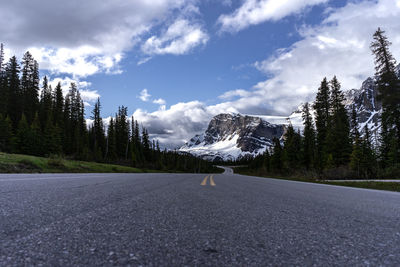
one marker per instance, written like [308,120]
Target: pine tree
[98,145]
[292,149]
[322,108]
[338,138]
[122,132]
[111,152]
[37,144]
[146,144]
[30,86]
[75,130]
[368,162]
[389,92]
[51,139]
[309,138]
[67,126]
[5,134]
[276,158]
[356,154]
[45,104]
[83,132]
[3,84]
[24,137]
[14,95]
[355,134]
[58,106]
[1,58]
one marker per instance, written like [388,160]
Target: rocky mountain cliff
[231,136]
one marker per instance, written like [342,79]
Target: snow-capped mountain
[230,136]
[366,104]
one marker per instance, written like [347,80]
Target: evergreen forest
[36,119]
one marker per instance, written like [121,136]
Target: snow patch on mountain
[232,136]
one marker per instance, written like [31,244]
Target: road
[188,220]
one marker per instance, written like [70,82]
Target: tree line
[36,119]
[332,145]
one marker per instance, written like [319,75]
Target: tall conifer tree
[338,138]
[309,138]
[389,92]
[322,108]
[30,86]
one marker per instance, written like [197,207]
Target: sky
[177,63]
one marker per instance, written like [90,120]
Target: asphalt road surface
[188,220]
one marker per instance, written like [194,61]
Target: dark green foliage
[37,147]
[52,142]
[46,103]
[96,133]
[369,165]
[389,93]
[111,150]
[309,138]
[277,156]
[322,108]
[5,134]
[122,133]
[146,144]
[58,106]
[356,155]
[338,137]
[362,160]
[14,94]
[3,84]
[30,86]
[25,138]
[292,149]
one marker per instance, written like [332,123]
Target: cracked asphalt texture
[171,220]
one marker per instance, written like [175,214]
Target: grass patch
[16,163]
[260,173]
[388,186]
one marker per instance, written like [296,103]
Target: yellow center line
[212,180]
[204,181]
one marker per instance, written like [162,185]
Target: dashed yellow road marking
[204,181]
[212,180]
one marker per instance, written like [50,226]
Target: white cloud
[253,12]
[87,94]
[66,82]
[143,60]
[159,101]
[234,93]
[180,38]
[144,95]
[82,38]
[180,122]
[79,62]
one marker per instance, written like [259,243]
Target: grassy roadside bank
[16,163]
[388,186]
